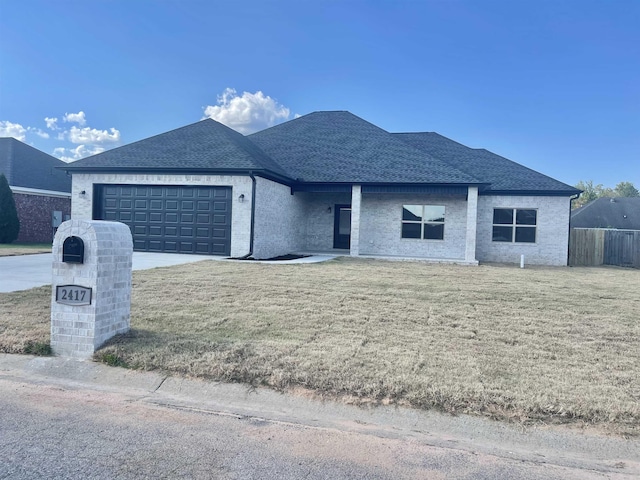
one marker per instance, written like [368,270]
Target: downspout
[253,216]
[571,199]
[253,211]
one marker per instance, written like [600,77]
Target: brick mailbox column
[91,288]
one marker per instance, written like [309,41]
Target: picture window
[423,222]
[514,225]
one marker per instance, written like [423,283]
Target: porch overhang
[432,189]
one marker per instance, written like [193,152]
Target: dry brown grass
[9,249]
[24,319]
[539,344]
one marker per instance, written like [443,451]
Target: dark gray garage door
[170,218]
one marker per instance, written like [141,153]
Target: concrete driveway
[23,272]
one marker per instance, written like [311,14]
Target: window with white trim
[514,225]
[423,221]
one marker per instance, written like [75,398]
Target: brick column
[356,199]
[78,329]
[472,224]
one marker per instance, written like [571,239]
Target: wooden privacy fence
[602,246]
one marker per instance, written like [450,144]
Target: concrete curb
[561,447]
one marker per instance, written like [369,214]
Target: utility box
[91,288]
[56,218]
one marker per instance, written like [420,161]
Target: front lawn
[532,345]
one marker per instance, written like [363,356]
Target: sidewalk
[555,446]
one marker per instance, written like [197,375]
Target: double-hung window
[514,225]
[423,221]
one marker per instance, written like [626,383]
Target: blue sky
[553,85]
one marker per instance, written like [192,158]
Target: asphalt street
[68,419]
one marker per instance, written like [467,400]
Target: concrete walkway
[22,272]
[280,435]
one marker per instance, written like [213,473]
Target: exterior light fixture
[241,198]
[83,192]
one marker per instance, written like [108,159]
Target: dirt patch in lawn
[10,249]
[532,345]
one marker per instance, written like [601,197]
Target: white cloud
[38,132]
[88,141]
[15,130]
[73,154]
[78,118]
[52,123]
[93,135]
[247,113]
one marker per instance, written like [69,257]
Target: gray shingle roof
[326,147]
[205,145]
[25,166]
[503,174]
[341,147]
[620,212]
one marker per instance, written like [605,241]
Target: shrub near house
[9,222]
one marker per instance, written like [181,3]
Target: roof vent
[612,200]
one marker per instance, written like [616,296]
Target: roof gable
[502,174]
[341,147]
[205,145]
[618,212]
[25,166]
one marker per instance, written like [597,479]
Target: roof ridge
[439,135]
[369,152]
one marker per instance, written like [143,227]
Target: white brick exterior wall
[78,330]
[381,227]
[279,220]
[318,232]
[552,235]
[82,205]
[285,223]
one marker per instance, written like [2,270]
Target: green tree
[589,191]
[592,192]
[626,189]
[9,223]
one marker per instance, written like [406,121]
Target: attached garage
[169,218]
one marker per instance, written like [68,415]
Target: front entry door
[342,227]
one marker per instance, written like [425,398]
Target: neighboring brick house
[327,181]
[39,188]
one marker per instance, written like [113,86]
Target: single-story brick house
[327,181]
[40,189]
